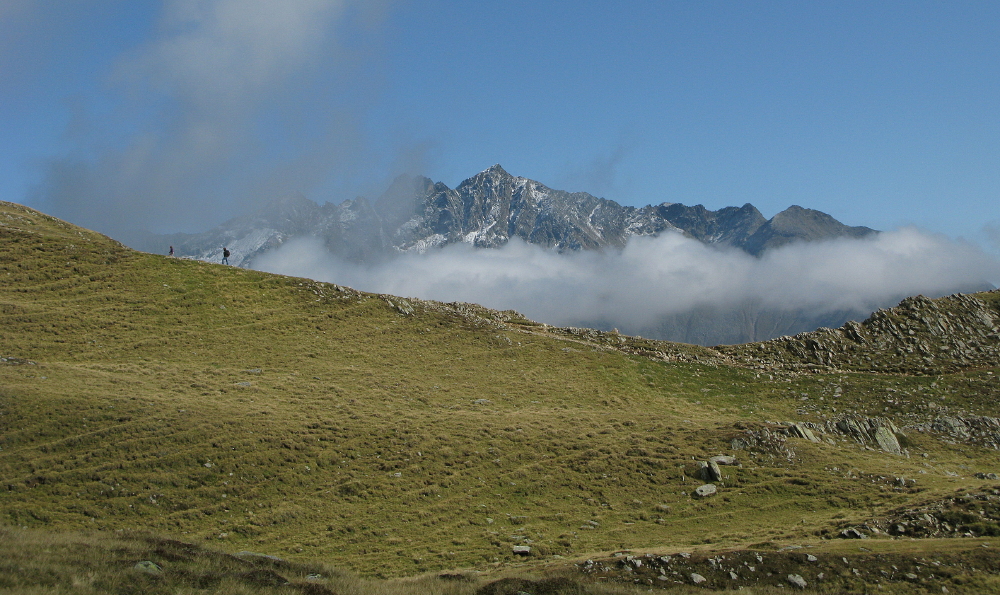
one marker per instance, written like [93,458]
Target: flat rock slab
[705,491]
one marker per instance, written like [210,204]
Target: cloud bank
[654,278]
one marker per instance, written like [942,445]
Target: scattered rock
[522,550]
[797,430]
[797,580]
[148,567]
[705,491]
[723,459]
[401,305]
[710,471]
[765,439]
[15,361]
[887,440]
[993,476]
[697,578]
[852,533]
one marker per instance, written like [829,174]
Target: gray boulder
[705,491]
[887,440]
[723,460]
[709,471]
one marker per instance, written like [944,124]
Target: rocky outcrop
[919,336]
[875,432]
[981,430]
[798,430]
[852,570]
[971,514]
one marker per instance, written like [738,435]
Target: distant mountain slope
[487,210]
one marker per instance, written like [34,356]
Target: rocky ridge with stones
[974,513]
[795,567]
[919,336]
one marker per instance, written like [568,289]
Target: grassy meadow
[392,438]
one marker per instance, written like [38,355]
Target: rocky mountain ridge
[919,336]
[488,210]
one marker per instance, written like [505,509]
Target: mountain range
[487,210]
[416,214]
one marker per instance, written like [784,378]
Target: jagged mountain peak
[491,207]
[496,170]
[495,175]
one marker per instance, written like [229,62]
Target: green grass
[391,437]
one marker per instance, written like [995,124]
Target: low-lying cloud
[657,277]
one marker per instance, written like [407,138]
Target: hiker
[171,253]
[225,255]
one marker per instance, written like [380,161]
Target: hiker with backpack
[225,255]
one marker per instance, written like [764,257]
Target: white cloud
[662,276]
[223,55]
[209,116]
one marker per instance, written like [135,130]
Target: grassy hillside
[392,437]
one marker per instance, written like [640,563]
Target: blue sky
[177,114]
